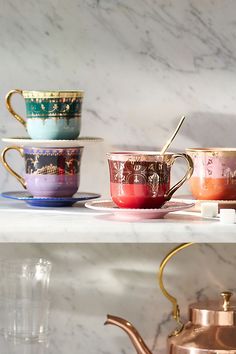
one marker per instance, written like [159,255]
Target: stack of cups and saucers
[52,151]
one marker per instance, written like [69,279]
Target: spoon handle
[172,136]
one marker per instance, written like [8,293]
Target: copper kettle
[211,328]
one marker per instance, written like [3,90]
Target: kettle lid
[214,313]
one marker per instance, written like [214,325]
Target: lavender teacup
[49,172]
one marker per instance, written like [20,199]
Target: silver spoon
[165,147]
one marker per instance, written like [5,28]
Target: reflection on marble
[142,64]
[89,281]
[83,225]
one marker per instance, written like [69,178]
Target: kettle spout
[133,334]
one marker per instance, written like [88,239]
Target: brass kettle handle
[187,175]
[9,106]
[172,299]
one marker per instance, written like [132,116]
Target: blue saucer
[50,202]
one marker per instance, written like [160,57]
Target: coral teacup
[214,176]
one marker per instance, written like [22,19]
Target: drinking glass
[25,299]
[21,347]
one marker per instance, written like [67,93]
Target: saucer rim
[47,199]
[27,142]
[190,198]
[137,210]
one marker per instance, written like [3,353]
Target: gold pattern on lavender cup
[49,172]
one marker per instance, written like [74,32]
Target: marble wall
[142,64]
[89,281]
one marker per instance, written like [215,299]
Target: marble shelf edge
[20,223]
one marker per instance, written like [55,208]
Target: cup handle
[187,175]
[9,106]
[8,168]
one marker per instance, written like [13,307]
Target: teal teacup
[50,115]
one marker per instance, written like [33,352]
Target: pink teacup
[214,176]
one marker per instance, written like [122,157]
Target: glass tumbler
[25,299]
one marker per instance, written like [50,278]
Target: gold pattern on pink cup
[214,176]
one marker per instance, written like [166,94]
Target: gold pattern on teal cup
[50,114]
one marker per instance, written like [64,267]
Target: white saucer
[110,207]
[223,204]
[27,142]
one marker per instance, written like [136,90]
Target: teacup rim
[211,149]
[138,155]
[52,93]
[52,147]
[137,152]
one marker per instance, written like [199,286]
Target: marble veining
[83,225]
[142,64]
[89,281]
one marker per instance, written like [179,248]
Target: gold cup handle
[8,168]
[187,175]
[9,106]
[172,299]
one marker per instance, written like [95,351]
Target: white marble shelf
[22,223]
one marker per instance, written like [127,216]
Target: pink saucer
[108,206]
[223,204]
